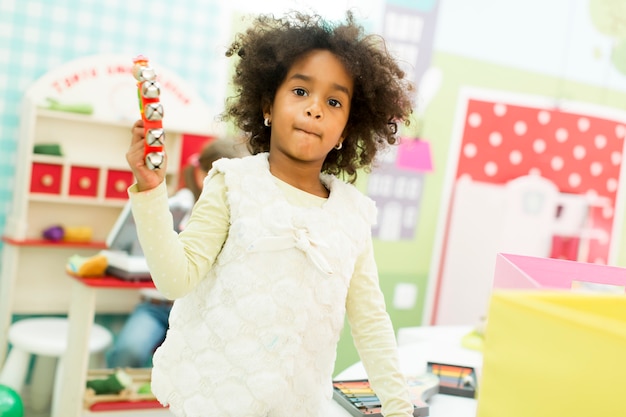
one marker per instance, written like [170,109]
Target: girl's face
[311,109]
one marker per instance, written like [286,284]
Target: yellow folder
[550,353]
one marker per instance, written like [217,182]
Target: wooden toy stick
[148,93]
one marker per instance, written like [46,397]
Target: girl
[278,248]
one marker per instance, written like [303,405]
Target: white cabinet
[84,187]
[87,183]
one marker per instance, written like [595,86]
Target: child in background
[145,327]
[199,164]
[278,248]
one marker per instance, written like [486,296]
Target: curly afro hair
[268,48]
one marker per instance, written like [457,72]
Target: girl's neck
[305,178]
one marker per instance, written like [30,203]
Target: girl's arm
[374,337]
[178,262]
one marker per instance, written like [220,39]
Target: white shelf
[80,201]
[81,118]
[149,412]
[85,187]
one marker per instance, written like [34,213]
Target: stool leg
[42,382]
[15,368]
[56,391]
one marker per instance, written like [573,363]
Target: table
[70,388]
[419,345]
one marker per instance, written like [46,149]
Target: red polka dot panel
[580,153]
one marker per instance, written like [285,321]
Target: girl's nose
[314,109]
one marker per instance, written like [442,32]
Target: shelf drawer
[118,182]
[84,181]
[46,178]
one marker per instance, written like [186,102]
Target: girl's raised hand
[146,178]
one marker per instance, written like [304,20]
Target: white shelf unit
[86,183]
[85,186]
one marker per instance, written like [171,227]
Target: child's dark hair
[267,50]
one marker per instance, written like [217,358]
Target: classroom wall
[562,50]
[561,57]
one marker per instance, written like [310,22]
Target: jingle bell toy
[148,92]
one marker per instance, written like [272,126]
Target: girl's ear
[266,108]
[344,134]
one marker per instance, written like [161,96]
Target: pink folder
[527,272]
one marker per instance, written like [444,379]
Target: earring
[339,146]
[267,122]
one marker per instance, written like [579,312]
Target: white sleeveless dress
[258,336]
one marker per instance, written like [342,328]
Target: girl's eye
[299,91]
[334,103]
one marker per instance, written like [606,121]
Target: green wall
[410,261]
